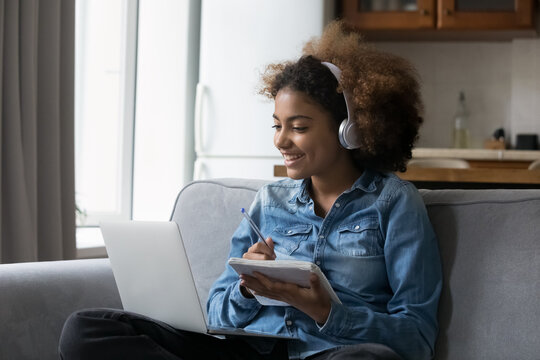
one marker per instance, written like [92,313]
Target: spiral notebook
[292,271]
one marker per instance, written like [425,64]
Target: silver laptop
[152,272]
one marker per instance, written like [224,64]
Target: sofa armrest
[36,298]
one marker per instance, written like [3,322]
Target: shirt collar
[366,182]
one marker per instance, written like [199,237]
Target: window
[136,71]
[104,113]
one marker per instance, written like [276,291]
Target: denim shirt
[378,250]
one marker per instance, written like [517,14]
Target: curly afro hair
[384,90]
[309,76]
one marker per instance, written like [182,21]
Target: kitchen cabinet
[440,18]
[389,15]
[499,14]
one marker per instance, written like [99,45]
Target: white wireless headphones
[348,136]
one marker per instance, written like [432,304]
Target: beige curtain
[37,207]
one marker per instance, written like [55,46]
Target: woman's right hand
[258,251]
[261,251]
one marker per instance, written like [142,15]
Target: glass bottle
[461,132]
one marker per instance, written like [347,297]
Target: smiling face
[306,136]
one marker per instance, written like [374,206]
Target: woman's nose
[281,139]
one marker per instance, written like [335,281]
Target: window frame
[89,222]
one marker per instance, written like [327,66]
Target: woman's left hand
[314,301]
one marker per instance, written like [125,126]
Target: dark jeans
[115,334]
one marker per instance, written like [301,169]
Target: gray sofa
[490,248]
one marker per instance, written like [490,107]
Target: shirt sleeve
[415,278]
[226,306]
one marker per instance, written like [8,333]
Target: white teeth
[292,157]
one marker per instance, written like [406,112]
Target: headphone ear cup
[348,136]
[341,134]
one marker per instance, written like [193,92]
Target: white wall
[525,86]
[501,81]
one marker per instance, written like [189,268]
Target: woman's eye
[300,128]
[277,127]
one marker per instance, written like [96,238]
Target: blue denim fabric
[377,248]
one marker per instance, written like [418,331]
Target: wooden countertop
[479,175]
[477,154]
[488,168]
[473,175]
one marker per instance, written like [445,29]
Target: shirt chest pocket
[361,238]
[288,239]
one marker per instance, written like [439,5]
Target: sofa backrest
[490,247]
[207,213]
[490,250]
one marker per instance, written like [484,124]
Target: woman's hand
[258,251]
[261,251]
[314,301]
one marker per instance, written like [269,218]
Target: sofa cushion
[490,248]
[36,299]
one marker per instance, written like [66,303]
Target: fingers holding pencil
[253,226]
[261,251]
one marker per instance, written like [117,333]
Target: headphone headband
[348,136]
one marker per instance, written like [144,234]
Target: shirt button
[321,236]
[356,227]
[289,232]
[338,205]
[318,262]
[288,322]
[311,207]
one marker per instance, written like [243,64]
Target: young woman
[341,208]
